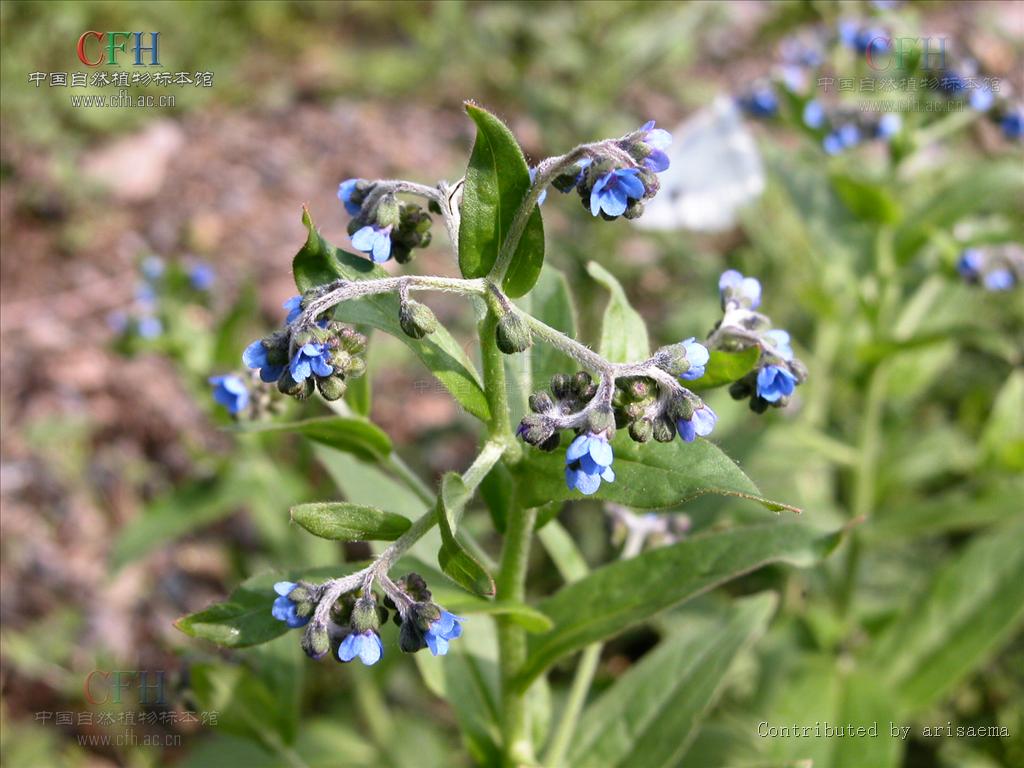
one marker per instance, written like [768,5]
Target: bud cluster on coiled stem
[382,225]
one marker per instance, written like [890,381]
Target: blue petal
[271,373]
[729,279]
[591,467]
[704,420]
[608,475]
[284,588]
[750,289]
[659,139]
[767,389]
[364,239]
[613,201]
[438,645]
[657,161]
[577,448]
[299,368]
[320,366]
[371,649]
[696,353]
[686,430]
[382,248]
[587,484]
[693,372]
[630,184]
[601,452]
[349,647]
[255,355]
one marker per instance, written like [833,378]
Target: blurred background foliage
[127,503]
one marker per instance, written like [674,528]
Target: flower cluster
[349,628]
[324,355]
[620,177]
[642,405]
[994,268]
[778,372]
[382,226]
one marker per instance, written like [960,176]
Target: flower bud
[535,429]
[679,407]
[551,443]
[664,430]
[641,430]
[316,642]
[417,320]
[513,334]
[341,611]
[289,386]
[410,637]
[415,586]
[560,386]
[332,387]
[389,213]
[541,402]
[364,615]
[672,359]
[600,420]
[583,385]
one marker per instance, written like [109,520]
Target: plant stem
[581,682]
[511,585]
[499,427]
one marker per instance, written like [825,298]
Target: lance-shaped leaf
[319,263]
[623,331]
[497,182]
[649,476]
[357,436]
[725,368]
[617,596]
[342,521]
[454,559]
[649,716]
[973,605]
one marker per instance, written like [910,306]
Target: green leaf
[245,618]
[244,704]
[649,476]
[342,521]
[622,594]
[725,368]
[623,331]
[528,618]
[971,607]
[453,557]
[362,438]
[497,182]
[866,200]
[649,716]
[319,262]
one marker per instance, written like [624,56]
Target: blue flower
[874,38]
[970,264]
[544,193]
[702,423]
[774,383]
[952,83]
[366,645]
[889,125]
[658,139]
[587,462]
[1000,279]
[442,631]
[779,341]
[760,103]
[613,191]
[294,307]
[844,137]
[981,98]
[1013,123]
[152,267]
[202,277]
[145,294]
[814,114]
[697,355]
[231,392]
[374,241]
[312,358]
[284,609]
[255,356]
[150,327]
[345,190]
[733,286]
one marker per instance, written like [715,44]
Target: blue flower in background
[255,356]
[1013,123]
[366,645]
[588,461]
[970,264]
[294,307]
[779,341]
[697,355]
[952,84]
[613,191]
[150,327]
[814,114]
[202,277]
[145,294]
[312,358]
[1000,279]
[231,392]
[284,609]
[375,242]
[442,631]
[733,286]
[544,193]
[774,383]
[658,139]
[844,137]
[152,267]
[889,125]
[762,102]
[981,98]
[345,190]
[853,35]
[701,423]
